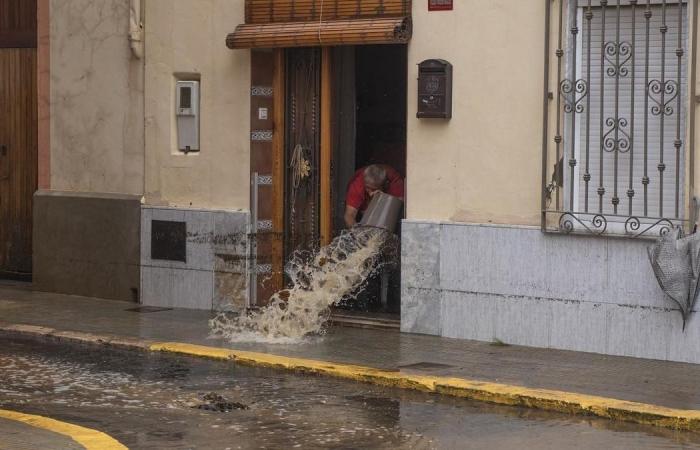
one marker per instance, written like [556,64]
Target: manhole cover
[147,309]
[426,365]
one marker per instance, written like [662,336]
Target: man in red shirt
[366,182]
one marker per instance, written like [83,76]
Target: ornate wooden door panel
[286,162]
[302,151]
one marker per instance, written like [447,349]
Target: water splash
[335,273]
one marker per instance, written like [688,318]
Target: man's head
[375,179]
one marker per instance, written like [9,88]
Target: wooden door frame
[278,137]
[327,135]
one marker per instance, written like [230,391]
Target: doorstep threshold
[365,320]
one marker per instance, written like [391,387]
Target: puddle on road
[165,401]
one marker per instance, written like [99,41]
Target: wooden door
[302,151]
[290,128]
[18,134]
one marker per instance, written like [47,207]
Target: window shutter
[631,144]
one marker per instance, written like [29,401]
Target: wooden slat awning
[268,11]
[382,30]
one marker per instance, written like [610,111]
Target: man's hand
[350,216]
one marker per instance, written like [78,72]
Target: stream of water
[317,280]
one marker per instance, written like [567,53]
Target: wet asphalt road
[165,401]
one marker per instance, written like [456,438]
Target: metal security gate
[615,158]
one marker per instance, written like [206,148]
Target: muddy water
[160,401]
[318,280]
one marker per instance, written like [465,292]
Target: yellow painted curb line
[560,401]
[88,438]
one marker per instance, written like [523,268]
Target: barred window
[617,137]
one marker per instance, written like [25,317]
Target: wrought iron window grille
[618,138]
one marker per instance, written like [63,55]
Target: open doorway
[369,128]
[343,108]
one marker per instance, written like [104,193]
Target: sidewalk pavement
[569,378]
[28,431]
[19,435]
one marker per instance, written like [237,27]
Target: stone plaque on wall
[168,240]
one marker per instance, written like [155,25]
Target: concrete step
[366,320]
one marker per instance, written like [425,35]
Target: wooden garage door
[18,134]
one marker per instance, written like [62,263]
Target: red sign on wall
[439,5]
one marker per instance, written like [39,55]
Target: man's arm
[396,183]
[350,216]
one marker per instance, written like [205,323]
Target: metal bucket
[384,211]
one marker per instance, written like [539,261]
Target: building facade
[529,211]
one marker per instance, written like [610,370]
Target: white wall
[96,99]
[187,38]
[484,164]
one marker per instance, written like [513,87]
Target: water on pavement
[165,401]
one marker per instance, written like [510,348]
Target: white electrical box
[187,112]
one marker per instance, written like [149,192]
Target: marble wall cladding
[230,291]
[524,287]
[214,273]
[685,346]
[580,326]
[525,261]
[467,316]
[491,317]
[176,287]
[420,310]
[420,254]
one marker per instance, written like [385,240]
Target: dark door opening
[381,106]
[370,128]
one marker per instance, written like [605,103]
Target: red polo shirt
[357,196]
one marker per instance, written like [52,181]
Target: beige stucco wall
[187,38]
[96,99]
[484,164]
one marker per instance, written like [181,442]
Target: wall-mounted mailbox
[434,89]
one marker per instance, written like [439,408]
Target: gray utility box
[187,113]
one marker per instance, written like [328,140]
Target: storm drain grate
[426,365]
[216,403]
[148,309]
